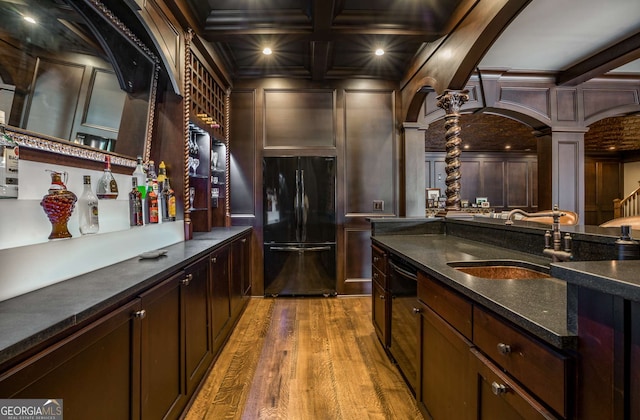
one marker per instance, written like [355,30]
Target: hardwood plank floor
[306,358]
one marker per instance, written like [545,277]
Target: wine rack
[207,97]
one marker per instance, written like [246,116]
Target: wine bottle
[107,186]
[141,176]
[135,204]
[168,202]
[88,209]
[8,163]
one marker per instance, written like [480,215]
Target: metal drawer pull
[381,297]
[375,275]
[504,349]
[498,389]
[140,314]
[187,279]
[416,310]
[214,260]
[376,259]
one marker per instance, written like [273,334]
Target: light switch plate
[378,205]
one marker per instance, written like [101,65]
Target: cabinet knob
[416,310]
[140,314]
[185,281]
[381,297]
[243,240]
[214,260]
[498,389]
[376,259]
[504,349]
[375,275]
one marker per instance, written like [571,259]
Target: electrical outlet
[378,205]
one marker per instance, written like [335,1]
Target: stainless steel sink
[501,269]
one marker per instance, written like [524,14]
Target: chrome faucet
[555,246]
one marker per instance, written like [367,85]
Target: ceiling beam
[320,47]
[613,57]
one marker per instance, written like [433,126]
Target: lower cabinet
[220,295]
[95,371]
[444,390]
[475,365]
[145,359]
[162,361]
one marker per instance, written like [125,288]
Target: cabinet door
[379,303]
[197,312]
[445,379]
[498,397]
[162,381]
[238,274]
[220,305]
[94,371]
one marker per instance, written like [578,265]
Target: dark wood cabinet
[162,382]
[497,396]
[145,359]
[220,295]
[476,365]
[445,385]
[196,301]
[380,296]
[95,371]
[240,279]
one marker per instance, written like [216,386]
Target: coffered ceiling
[574,40]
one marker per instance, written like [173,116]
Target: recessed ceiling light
[466,146]
[612,147]
[29,19]
[507,147]
[267,51]
[379,51]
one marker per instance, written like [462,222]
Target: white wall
[29,261]
[631,177]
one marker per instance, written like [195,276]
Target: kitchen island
[514,344]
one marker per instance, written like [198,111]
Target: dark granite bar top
[33,318]
[619,278]
[537,305]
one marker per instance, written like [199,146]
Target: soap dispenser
[627,248]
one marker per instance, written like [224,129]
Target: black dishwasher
[403,287]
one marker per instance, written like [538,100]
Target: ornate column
[188,36]
[451,101]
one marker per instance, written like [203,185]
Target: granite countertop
[537,305]
[619,278]
[33,318]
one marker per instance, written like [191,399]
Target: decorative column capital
[452,100]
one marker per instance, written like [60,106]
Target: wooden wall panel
[299,119]
[508,180]
[243,153]
[370,157]
[492,174]
[357,243]
[517,184]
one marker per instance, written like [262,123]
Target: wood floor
[299,359]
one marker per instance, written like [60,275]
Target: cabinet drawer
[538,367]
[499,397]
[379,277]
[447,303]
[379,259]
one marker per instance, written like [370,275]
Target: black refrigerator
[299,226]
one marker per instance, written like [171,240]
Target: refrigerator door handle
[299,249]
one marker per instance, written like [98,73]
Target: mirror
[74,74]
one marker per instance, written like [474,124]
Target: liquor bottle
[168,202]
[8,163]
[135,204]
[152,203]
[88,209]
[141,176]
[162,175]
[107,186]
